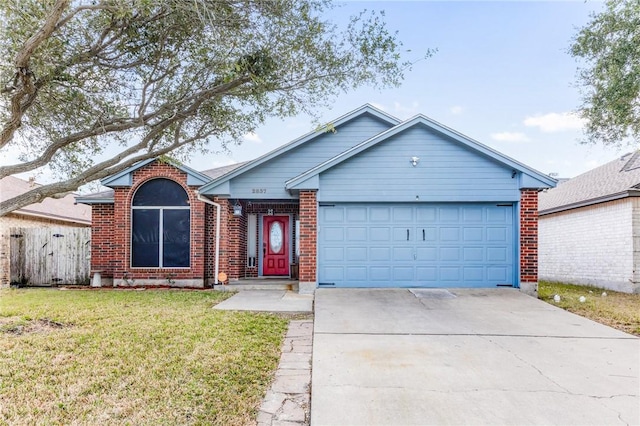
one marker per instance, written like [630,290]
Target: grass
[132,357]
[617,310]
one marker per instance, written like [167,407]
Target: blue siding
[269,179]
[447,171]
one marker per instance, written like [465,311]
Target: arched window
[160,226]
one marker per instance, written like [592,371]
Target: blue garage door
[427,245]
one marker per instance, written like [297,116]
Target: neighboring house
[51,212]
[590,227]
[375,202]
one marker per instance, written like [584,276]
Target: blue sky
[502,76]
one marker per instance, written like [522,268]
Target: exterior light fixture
[237,209]
[414,161]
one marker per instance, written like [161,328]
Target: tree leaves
[128,73]
[609,78]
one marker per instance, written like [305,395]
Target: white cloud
[555,122]
[509,137]
[377,105]
[252,137]
[456,109]
[406,111]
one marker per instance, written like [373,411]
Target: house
[51,212]
[590,227]
[374,202]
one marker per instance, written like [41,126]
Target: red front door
[275,245]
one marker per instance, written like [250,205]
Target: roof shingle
[608,181]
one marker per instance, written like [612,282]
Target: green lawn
[618,310]
[132,357]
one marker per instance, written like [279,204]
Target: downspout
[217,251]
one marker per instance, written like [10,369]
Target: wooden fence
[50,256]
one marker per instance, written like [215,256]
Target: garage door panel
[332,254]
[449,234]
[403,274]
[356,273]
[426,214]
[497,254]
[380,234]
[499,274]
[499,215]
[497,234]
[402,254]
[334,234]
[380,254]
[473,254]
[356,234]
[452,245]
[356,214]
[332,216]
[401,234]
[449,273]
[449,254]
[473,234]
[426,254]
[473,273]
[472,214]
[403,214]
[356,254]
[380,214]
[426,274]
[449,214]
[333,274]
[380,273]
[429,234]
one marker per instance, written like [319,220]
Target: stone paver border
[288,401]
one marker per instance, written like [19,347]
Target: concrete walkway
[268,301]
[287,403]
[389,357]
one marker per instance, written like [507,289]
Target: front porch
[262,241]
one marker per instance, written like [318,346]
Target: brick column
[224,235]
[529,241]
[237,235]
[102,251]
[308,241]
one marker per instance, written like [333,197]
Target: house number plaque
[258,190]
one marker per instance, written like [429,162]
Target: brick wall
[102,255]
[113,240]
[529,236]
[308,236]
[13,220]
[591,245]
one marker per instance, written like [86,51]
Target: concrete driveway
[431,356]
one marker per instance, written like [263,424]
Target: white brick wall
[591,245]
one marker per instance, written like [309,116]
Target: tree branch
[24,95]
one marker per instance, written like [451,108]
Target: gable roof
[123,178]
[365,109]
[63,209]
[617,179]
[535,179]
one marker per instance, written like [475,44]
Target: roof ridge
[632,163]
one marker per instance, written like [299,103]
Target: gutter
[217,250]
